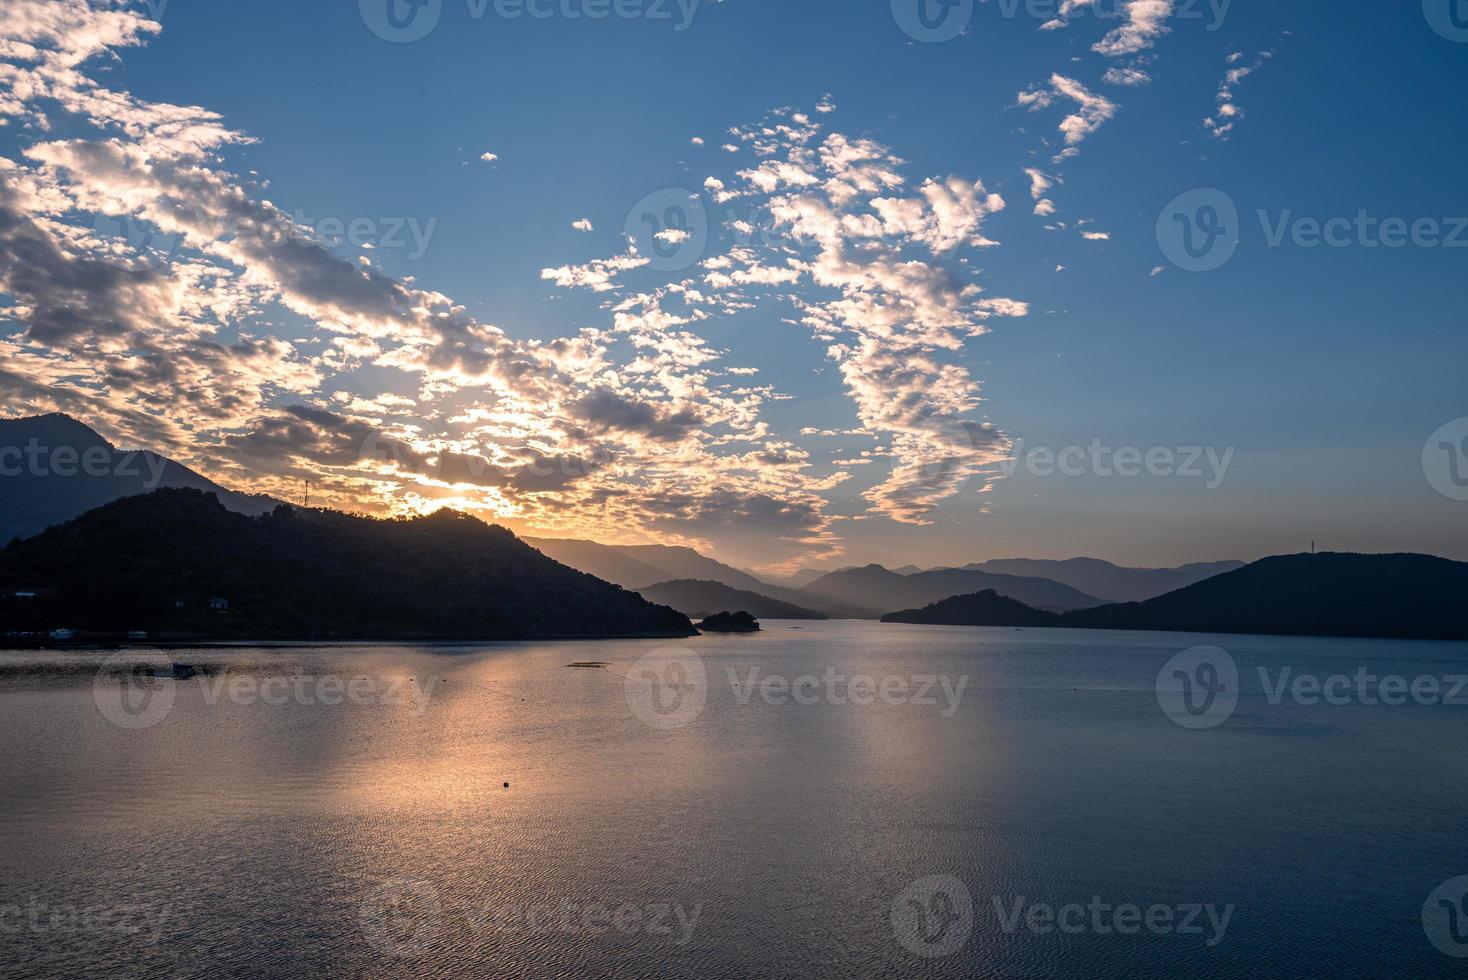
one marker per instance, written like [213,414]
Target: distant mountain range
[1107,581]
[636,567]
[53,468]
[697,600]
[177,563]
[875,590]
[1388,596]
[66,469]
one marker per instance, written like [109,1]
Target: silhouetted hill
[53,468]
[876,590]
[157,562]
[1402,596]
[697,600]
[727,622]
[987,608]
[1107,581]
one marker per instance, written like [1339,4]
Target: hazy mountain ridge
[697,600]
[877,590]
[36,492]
[1108,581]
[636,567]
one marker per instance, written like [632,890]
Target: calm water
[752,836]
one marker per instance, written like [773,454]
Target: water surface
[764,837]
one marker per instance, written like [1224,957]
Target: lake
[834,799]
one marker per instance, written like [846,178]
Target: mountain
[982,609]
[606,562]
[636,567]
[1107,581]
[697,600]
[803,577]
[53,468]
[159,562]
[876,590]
[1400,596]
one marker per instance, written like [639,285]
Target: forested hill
[176,561]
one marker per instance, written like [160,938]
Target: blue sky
[804,405]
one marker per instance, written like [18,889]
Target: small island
[727,622]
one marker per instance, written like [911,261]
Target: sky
[795,283]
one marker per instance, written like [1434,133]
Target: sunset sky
[794,283]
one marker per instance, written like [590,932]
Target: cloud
[582,224]
[604,410]
[598,275]
[1146,21]
[1094,110]
[489,157]
[1130,77]
[1229,113]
